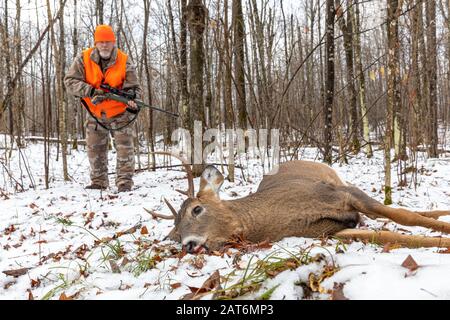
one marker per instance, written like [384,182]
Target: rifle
[122,96]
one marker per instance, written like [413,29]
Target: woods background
[345,76]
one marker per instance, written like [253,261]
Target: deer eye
[197,210]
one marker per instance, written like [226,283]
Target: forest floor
[66,242]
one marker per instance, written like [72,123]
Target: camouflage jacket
[75,76]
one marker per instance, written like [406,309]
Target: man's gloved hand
[97,96]
[132,107]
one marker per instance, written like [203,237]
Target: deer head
[204,221]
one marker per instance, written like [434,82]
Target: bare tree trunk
[392,91]
[239,58]
[432,132]
[185,110]
[58,60]
[197,22]
[148,74]
[99,11]
[75,104]
[7,99]
[362,81]
[415,94]
[228,101]
[20,85]
[347,28]
[329,86]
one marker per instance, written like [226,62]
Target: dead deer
[303,199]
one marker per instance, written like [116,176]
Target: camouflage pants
[97,139]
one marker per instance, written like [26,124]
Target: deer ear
[210,182]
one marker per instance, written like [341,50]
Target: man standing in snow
[106,64]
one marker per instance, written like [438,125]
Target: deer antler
[187,167]
[174,212]
[158,215]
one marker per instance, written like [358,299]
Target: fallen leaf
[128,231]
[338,292]
[114,267]
[9,284]
[144,230]
[89,218]
[64,297]
[211,284]
[35,283]
[198,262]
[10,230]
[17,272]
[33,205]
[175,285]
[124,262]
[30,295]
[410,263]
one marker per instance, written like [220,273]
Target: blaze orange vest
[114,76]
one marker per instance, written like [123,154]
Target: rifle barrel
[140,103]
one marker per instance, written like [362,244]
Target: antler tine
[174,212]
[159,215]
[182,192]
[187,167]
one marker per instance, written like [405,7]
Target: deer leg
[433,214]
[365,204]
[384,237]
[429,214]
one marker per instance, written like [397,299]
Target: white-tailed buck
[303,199]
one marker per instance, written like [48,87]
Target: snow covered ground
[66,242]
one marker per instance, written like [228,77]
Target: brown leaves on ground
[444,251]
[9,230]
[315,282]
[35,283]
[81,251]
[56,256]
[410,264]
[240,243]
[89,217]
[33,205]
[175,285]
[211,284]
[114,267]
[144,230]
[128,231]
[273,269]
[338,292]
[198,262]
[17,272]
[63,296]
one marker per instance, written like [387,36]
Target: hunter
[106,64]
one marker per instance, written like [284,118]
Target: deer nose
[190,246]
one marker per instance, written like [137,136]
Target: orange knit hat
[104,32]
